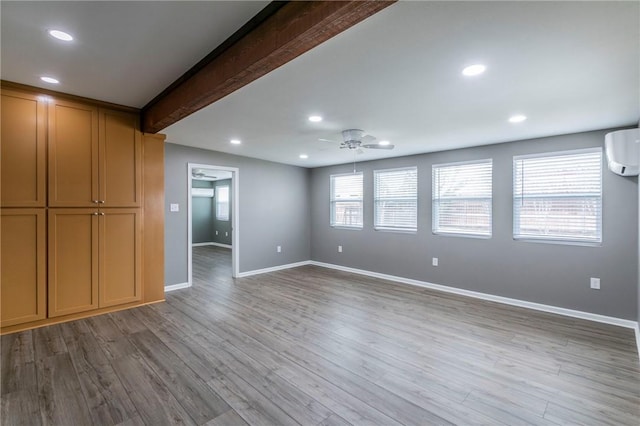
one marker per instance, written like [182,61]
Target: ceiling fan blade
[367,139]
[328,140]
[377,146]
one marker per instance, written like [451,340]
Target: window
[396,199]
[558,196]
[222,202]
[462,198]
[346,200]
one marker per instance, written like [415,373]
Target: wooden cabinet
[78,182]
[94,157]
[23,266]
[73,261]
[73,154]
[23,150]
[120,256]
[120,159]
[94,259]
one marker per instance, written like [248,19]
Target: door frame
[235,217]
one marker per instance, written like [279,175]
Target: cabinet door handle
[101,214]
[101,202]
[95,213]
[95,201]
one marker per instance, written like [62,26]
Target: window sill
[460,235]
[347,228]
[397,231]
[559,242]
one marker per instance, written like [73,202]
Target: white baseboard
[273,269]
[173,287]
[211,244]
[499,299]
[222,245]
[638,338]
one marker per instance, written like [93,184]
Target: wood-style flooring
[312,346]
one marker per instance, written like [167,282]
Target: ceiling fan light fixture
[384,143]
[303,156]
[235,141]
[315,118]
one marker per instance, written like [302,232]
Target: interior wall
[273,211]
[202,215]
[553,274]
[221,229]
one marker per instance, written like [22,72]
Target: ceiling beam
[278,34]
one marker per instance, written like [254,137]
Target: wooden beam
[280,33]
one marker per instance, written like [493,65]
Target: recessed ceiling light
[235,141]
[60,35]
[304,156]
[517,118]
[315,118]
[50,80]
[384,143]
[475,69]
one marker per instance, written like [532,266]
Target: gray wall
[223,227]
[273,211]
[552,274]
[201,215]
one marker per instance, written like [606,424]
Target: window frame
[218,203]
[376,199]
[435,202]
[597,242]
[333,202]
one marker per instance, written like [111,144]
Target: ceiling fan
[202,175]
[356,139]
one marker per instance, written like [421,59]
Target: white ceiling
[568,66]
[125,52]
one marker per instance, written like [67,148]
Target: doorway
[212,211]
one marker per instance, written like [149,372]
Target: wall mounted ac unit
[623,151]
[202,192]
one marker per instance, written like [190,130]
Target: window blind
[222,202]
[558,196]
[346,200]
[462,198]
[396,199]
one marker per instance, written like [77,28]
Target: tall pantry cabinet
[73,209]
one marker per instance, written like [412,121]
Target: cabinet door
[23,263]
[120,256]
[73,155]
[120,159]
[73,261]
[23,150]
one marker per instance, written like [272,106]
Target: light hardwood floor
[313,346]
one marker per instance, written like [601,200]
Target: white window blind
[558,196]
[346,200]
[222,202]
[462,198]
[396,199]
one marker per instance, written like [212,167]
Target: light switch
[175,207]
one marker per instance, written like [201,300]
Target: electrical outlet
[434,261]
[595,283]
[339,249]
[216,232]
[226,234]
[175,207]
[279,249]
